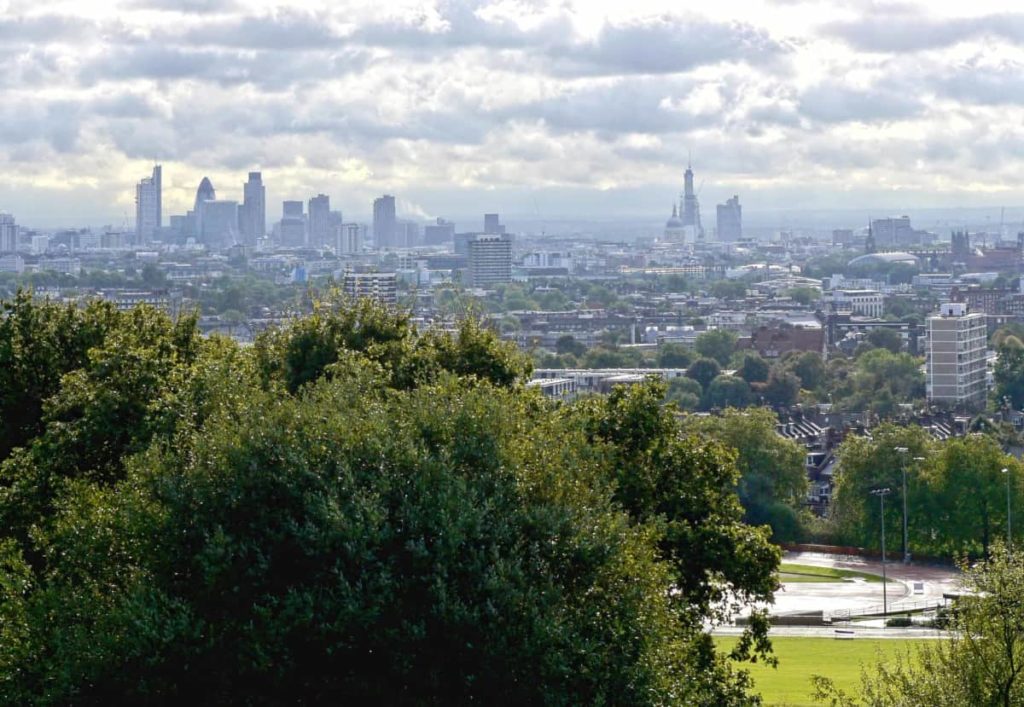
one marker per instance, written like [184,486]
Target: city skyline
[808,104]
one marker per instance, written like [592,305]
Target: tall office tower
[319,220]
[960,246]
[691,207]
[219,224]
[730,220]
[955,361]
[384,222]
[490,260]
[441,233]
[148,207]
[293,224]
[380,286]
[407,233]
[204,194]
[348,239]
[8,234]
[492,224]
[252,216]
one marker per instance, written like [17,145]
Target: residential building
[148,207]
[955,356]
[868,303]
[348,239]
[380,286]
[490,261]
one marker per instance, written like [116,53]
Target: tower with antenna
[691,207]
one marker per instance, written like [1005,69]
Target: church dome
[674,221]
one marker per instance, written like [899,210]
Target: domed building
[205,192]
[675,231]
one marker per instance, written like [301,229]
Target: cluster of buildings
[684,226]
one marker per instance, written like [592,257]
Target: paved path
[830,632]
[907,584]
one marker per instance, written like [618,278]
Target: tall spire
[675,214]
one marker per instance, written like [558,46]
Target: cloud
[913,32]
[833,103]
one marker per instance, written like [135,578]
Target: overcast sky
[554,108]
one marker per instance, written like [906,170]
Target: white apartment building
[956,346]
[867,303]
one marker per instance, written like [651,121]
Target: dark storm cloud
[907,32]
[830,103]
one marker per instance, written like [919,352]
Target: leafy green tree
[888,339]
[773,478]
[753,368]
[782,388]
[804,295]
[40,341]
[567,343]
[1009,376]
[685,392]
[672,355]
[978,662]
[718,344]
[727,391]
[704,370]
[729,289]
[809,368]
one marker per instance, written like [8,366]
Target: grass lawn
[800,658]
[789,572]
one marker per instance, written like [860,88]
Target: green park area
[789,684]
[790,572]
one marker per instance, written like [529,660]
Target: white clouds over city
[453,103]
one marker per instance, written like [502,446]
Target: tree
[685,392]
[718,344]
[568,344]
[673,356]
[808,367]
[782,389]
[729,289]
[889,339]
[773,478]
[354,511]
[979,662]
[753,369]
[804,295]
[1009,376]
[727,391]
[703,370]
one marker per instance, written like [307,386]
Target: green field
[800,658]
[789,572]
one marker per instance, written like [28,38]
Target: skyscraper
[384,222]
[252,217]
[492,224]
[219,224]
[148,207]
[204,194]
[691,207]
[490,260]
[319,220]
[293,225]
[730,220]
[8,234]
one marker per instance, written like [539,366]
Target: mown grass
[790,572]
[789,685]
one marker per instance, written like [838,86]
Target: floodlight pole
[882,493]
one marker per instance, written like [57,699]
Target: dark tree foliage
[753,369]
[704,370]
[353,512]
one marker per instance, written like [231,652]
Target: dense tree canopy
[353,511]
[717,344]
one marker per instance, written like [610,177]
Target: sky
[561,108]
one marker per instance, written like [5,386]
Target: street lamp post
[1009,533]
[906,546]
[882,493]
